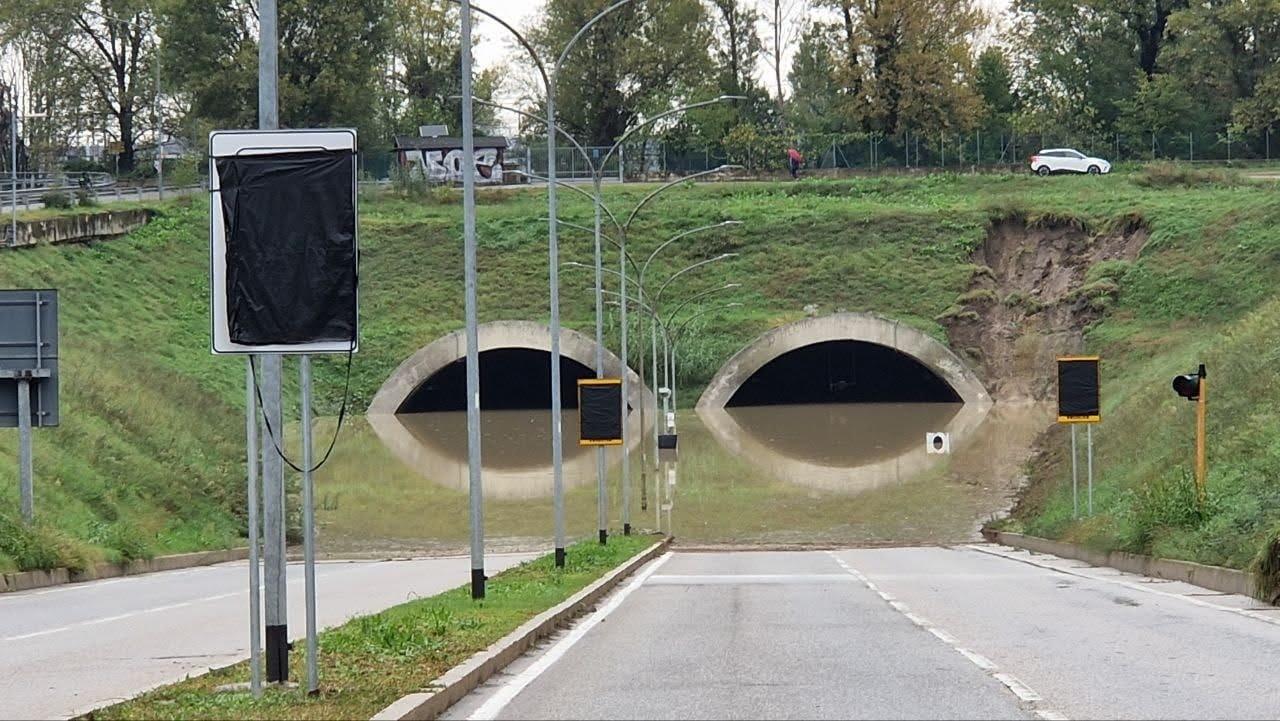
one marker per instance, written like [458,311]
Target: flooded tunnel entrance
[510,379]
[843,371]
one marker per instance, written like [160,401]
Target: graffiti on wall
[445,166]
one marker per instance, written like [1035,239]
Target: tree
[782,34]
[993,79]
[815,91]
[110,48]
[907,64]
[636,61]
[737,46]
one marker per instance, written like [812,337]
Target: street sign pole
[309,530]
[602,492]
[26,483]
[1075,477]
[473,334]
[1202,462]
[1089,465]
[277,619]
[255,532]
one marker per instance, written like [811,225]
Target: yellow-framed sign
[600,411]
[1079,389]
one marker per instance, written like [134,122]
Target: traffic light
[1188,386]
[1193,387]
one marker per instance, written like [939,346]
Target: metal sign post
[1075,477]
[473,337]
[309,529]
[28,376]
[255,531]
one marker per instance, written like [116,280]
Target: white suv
[1066,160]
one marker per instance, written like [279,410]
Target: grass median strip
[371,661]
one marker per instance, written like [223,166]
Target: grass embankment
[370,661]
[148,459]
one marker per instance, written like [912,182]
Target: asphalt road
[968,632]
[69,649]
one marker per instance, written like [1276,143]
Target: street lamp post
[678,335]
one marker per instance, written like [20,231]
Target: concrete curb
[1214,578]
[27,580]
[467,676]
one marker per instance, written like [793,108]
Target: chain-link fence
[867,152]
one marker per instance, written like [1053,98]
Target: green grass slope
[150,455]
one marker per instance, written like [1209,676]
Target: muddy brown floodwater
[787,474]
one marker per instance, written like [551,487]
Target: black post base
[604,537]
[277,638]
[477,583]
[559,558]
[626,529]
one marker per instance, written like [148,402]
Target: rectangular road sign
[600,409]
[1079,389]
[29,349]
[283,241]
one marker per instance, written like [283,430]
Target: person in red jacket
[794,159]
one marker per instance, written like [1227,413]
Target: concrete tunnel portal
[515,367]
[843,358]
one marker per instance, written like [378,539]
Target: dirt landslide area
[1036,287]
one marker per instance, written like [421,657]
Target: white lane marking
[1024,692]
[120,617]
[749,578]
[1145,588]
[495,704]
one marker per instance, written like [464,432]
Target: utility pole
[473,335]
[273,496]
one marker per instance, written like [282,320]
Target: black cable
[342,414]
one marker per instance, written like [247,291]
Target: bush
[86,198]
[1164,504]
[40,547]
[56,199]
[1169,175]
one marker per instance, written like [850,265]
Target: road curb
[1214,578]
[28,580]
[467,676]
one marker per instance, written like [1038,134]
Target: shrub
[56,199]
[86,198]
[1168,175]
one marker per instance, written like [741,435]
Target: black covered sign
[1079,390]
[600,409]
[290,223]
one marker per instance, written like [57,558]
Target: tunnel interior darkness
[844,371]
[510,379]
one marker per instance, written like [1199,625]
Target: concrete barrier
[461,680]
[1214,578]
[81,227]
[27,580]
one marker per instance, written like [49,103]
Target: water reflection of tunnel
[510,379]
[843,371]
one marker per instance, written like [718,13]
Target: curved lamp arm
[702,104]
[697,296]
[612,241]
[678,236]
[645,200]
[537,119]
[699,264]
[542,69]
[679,330]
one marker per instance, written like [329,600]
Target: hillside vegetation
[149,458]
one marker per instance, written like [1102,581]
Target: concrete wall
[81,228]
[434,356]
[865,327]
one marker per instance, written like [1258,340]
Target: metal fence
[655,158]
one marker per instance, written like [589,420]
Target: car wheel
[1042,171]
[1095,170]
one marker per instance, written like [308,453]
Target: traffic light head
[1188,386]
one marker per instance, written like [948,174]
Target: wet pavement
[840,474]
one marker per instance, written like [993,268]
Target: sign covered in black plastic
[1079,390]
[291,255]
[600,408]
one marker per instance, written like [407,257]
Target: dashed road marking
[1024,692]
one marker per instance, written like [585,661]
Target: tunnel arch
[495,336]
[858,327]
